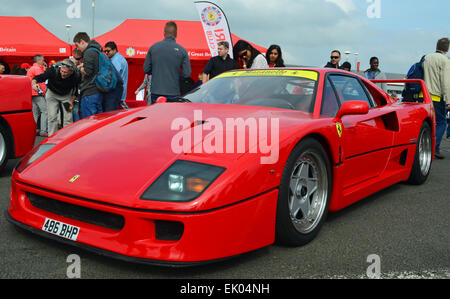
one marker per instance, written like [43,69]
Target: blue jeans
[91,105]
[76,111]
[448,126]
[441,122]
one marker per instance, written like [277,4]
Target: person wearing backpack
[413,91]
[91,96]
[436,68]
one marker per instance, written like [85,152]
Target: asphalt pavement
[400,232]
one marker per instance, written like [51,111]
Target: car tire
[304,194]
[423,156]
[4,148]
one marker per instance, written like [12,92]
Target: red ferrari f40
[250,158]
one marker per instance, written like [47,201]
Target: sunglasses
[70,67]
[107,51]
[335,57]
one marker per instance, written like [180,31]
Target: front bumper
[207,235]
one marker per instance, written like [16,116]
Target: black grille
[79,213]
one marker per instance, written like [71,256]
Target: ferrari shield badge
[72,180]
[339,129]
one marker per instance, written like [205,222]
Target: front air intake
[79,213]
[168,230]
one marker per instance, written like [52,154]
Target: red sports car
[247,159]
[17,125]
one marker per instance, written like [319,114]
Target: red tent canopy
[134,38]
[23,37]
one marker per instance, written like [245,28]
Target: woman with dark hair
[248,57]
[274,56]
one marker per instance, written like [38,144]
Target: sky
[398,32]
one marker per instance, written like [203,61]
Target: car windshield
[288,89]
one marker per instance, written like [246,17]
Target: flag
[215,25]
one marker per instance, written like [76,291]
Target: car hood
[119,159]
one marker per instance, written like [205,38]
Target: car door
[367,140]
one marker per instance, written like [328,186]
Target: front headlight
[183,181]
[32,156]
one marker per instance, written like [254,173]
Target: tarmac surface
[407,228]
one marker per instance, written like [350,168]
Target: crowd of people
[64,92]
[68,88]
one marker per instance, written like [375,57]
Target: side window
[349,89]
[330,104]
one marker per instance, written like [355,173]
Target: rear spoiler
[426,94]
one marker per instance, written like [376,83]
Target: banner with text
[215,25]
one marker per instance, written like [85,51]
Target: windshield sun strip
[312,75]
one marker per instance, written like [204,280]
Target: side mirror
[161,100]
[353,108]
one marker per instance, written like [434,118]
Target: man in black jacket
[91,97]
[219,64]
[335,59]
[62,87]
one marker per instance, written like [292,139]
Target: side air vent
[390,121]
[134,120]
[403,157]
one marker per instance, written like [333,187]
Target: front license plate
[61,229]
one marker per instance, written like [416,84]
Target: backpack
[112,99]
[107,78]
[412,90]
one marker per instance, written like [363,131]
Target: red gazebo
[134,37]
[23,37]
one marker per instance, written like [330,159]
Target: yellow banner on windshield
[271,73]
